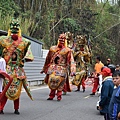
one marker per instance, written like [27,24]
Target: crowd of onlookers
[107,84]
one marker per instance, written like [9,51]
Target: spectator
[117,68]
[106,92]
[108,62]
[3,68]
[112,68]
[114,107]
[97,77]
[119,116]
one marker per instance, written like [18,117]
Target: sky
[106,0]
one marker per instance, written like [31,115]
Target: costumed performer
[56,67]
[16,51]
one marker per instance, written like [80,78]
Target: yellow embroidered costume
[82,57]
[15,45]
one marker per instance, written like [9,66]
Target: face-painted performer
[81,57]
[16,51]
[56,66]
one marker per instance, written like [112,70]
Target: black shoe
[83,90]
[16,112]
[102,113]
[1,112]
[77,90]
[50,99]
[92,94]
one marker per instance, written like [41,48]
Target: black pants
[106,116]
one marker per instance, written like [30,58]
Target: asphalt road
[73,106]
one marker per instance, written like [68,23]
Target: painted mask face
[54,81]
[14,26]
[62,39]
[81,40]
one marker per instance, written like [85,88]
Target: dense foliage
[46,19]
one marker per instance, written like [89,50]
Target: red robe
[57,73]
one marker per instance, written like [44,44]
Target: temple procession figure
[82,57]
[58,62]
[16,51]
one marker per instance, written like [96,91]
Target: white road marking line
[87,97]
[35,89]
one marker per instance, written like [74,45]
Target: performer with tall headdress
[16,51]
[70,44]
[82,57]
[56,66]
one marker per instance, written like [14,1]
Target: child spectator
[114,106]
[3,68]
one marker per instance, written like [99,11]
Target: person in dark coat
[114,106]
[106,92]
[117,68]
[108,62]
